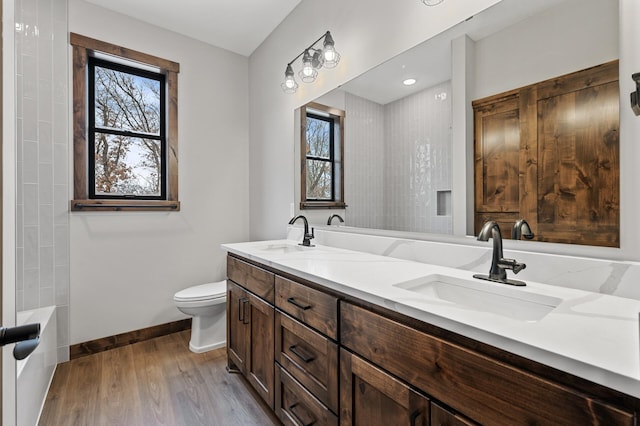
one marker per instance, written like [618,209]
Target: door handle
[25,336]
[245,302]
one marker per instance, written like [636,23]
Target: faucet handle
[511,264]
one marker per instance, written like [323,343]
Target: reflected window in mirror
[322,149]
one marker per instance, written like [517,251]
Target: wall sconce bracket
[635,96]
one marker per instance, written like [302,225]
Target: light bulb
[331,57]
[289,85]
[308,73]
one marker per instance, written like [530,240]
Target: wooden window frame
[83,48]
[337,116]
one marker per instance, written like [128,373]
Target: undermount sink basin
[499,299]
[283,248]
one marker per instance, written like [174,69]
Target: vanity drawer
[316,309]
[486,390]
[296,406]
[309,357]
[440,416]
[256,280]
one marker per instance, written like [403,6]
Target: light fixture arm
[313,59]
[327,34]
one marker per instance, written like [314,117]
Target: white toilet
[206,303]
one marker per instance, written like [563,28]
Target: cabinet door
[260,359]
[578,172]
[497,156]
[369,396]
[237,326]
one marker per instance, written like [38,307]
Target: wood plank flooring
[155,382]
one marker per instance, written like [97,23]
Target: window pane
[318,138]
[127,102]
[319,177]
[127,166]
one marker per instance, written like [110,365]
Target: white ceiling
[430,62]
[236,25]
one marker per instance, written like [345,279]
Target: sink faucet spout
[492,230]
[306,240]
[499,265]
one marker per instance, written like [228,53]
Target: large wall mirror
[408,149]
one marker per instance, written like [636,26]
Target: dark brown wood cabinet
[383,368]
[306,350]
[484,389]
[549,153]
[237,330]
[296,406]
[440,416]
[370,396]
[310,357]
[250,327]
[260,368]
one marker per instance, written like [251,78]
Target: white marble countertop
[590,335]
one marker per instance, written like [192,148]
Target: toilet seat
[202,292]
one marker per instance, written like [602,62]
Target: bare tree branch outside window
[128,152]
[319,161]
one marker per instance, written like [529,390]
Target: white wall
[523,54]
[126,266]
[366,34]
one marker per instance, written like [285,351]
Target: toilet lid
[202,292]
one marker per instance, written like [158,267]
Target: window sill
[322,205]
[124,205]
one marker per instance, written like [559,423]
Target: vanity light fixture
[409,82]
[312,60]
[432,2]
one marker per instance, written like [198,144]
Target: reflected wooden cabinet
[549,153]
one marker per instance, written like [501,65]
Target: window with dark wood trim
[141,125]
[322,157]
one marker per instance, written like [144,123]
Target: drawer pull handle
[242,310]
[306,359]
[291,410]
[295,303]
[414,417]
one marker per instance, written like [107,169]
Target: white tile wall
[399,156]
[42,160]
[364,155]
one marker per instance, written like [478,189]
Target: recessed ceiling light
[409,82]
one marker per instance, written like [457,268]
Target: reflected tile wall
[364,153]
[399,157]
[42,257]
[417,132]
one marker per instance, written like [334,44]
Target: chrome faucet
[336,216]
[521,229]
[306,241]
[499,264]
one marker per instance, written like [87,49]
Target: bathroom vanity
[332,336]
